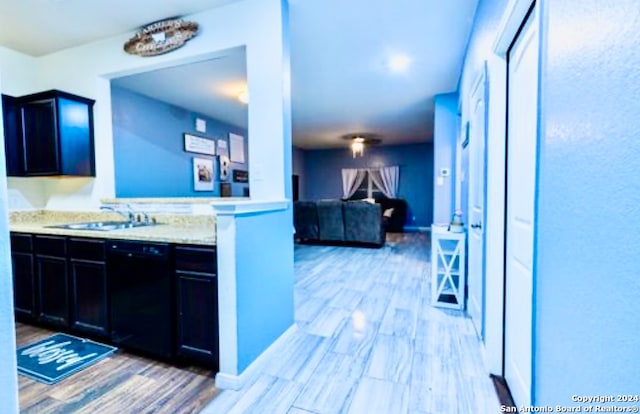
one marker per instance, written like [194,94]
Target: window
[367,189]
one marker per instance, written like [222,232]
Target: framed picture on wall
[225,189]
[236,147]
[199,145]
[240,176]
[223,149]
[202,174]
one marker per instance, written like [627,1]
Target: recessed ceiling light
[399,63]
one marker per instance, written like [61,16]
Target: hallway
[367,340]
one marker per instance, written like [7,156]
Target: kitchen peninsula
[151,288]
[220,263]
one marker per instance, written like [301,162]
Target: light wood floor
[121,384]
[368,341]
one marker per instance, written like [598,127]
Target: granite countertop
[183,229]
[172,200]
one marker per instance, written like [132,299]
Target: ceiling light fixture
[244,97]
[357,147]
[399,63]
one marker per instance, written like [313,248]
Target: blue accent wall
[298,168]
[148,147]
[323,176]
[587,289]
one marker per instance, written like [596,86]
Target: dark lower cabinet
[51,279]
[88,280]
[152,297]
[197,305]
[24,281]
[198,318]
[53,296]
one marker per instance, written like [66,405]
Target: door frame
[495,200]
[480,84]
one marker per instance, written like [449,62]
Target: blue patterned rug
[59,356]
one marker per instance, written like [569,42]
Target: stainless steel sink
[104,225]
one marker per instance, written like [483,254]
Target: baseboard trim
[416,228]
[226,381]
[503,393]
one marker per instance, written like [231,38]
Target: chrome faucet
[145,217]
[130,216]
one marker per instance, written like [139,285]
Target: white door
[475,304]
[522,109]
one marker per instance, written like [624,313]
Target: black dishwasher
[141,305]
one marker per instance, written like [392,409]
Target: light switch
[439,181]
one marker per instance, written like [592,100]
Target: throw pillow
[388,213]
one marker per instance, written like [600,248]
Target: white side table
[447,268]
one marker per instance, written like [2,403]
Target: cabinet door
[24,291]
[12,138]
[40,137]
[198,317]
[53,298]
[89,296]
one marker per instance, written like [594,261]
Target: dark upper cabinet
[12,143]
[49,133]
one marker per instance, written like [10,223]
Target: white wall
[260,25]
[9,377]
[480,52]
[445,143]
[20,75]
[587,287]
[85,70]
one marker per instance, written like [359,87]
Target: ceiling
[210,87]
[342,80]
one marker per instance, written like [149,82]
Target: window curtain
[351,180]
[386,179]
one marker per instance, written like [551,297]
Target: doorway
[522,139]
[477,137]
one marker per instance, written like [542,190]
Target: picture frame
[240,176]
[223,148]
[203,175]
[199,145]
[225,189]
[236,148]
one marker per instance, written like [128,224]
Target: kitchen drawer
[86,249]
[50,246]
[195,259]
[21,242]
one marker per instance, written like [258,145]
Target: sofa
[339,222]
[394,211]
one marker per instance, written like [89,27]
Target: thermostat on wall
[444,172]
